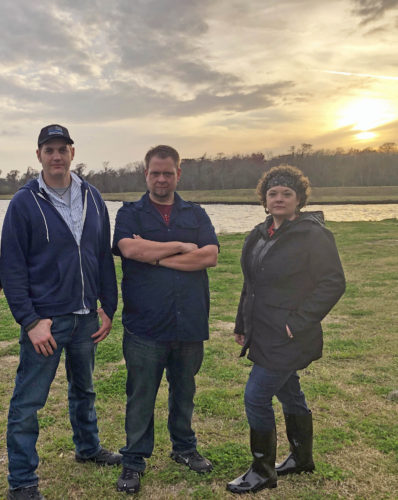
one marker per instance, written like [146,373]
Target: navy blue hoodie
[44,272]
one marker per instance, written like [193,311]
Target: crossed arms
[173,254]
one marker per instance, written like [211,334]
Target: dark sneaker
[129,481]
[30,493]
[103,457]
[193,460]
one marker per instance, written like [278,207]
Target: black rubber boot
[261,473]
[299,433]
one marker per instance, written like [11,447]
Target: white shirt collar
[42,185]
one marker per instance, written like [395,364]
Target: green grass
[355,424]
[360,194]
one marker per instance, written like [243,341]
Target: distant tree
[79,169]
[12,180]
[388,147]
[305,149]
[31,173]
[257,157]
[324,167]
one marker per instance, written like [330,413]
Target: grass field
[371,194]
[355,424]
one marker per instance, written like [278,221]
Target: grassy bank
[371,194]
[330,195]
[356,429]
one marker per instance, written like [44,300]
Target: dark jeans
[35,374]
[146,361]
[262,385]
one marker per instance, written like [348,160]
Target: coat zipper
[82,277]
[78,245]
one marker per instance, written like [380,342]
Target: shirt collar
[43,186]
[145,202]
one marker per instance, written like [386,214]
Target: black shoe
[30,493]
[103,457]
[299,433]
[129,481]
[193,460]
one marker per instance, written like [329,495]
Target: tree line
[333,168]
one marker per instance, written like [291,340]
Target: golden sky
[206,76]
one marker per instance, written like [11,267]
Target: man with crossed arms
[166,245]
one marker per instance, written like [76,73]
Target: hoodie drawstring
[42,213]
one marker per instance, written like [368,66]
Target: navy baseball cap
[53,132]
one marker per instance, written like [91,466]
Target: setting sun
[363,136]
[366,114]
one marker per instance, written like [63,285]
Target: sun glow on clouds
[365,75]
[364,115]
[365,136]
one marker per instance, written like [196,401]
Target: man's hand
[240,339]
[105,328]
[148,251]
[185,247]
[42,339]
[188,247]
[289,333]
[194,260]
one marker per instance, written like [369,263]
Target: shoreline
[250,203]
[355,195]
[253,203]
[368,195]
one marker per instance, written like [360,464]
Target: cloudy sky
[206,76]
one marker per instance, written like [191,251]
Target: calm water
[241,218]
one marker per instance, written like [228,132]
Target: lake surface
[242,218]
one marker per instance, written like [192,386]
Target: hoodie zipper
[77,244]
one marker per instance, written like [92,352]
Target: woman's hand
[240,339]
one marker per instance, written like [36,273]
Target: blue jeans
[35,374]
[262,385]
[146,361]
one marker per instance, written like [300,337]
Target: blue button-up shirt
[161,303]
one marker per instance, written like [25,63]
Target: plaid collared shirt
[73,214]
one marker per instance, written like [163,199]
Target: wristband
[31,325]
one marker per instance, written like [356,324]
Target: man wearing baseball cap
[56,263]
[54,132]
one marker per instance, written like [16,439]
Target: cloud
[371,10]
[337,136]
[341,136]
[387,127]
[87,106]
[38,34]
[109,61]
[362,75]
[226,71]
[241,100]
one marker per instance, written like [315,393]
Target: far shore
[357,195]
[319,196]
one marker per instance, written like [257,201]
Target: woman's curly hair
[287,175]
